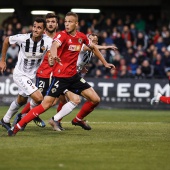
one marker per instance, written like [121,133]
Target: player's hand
[84,70]
[2,66]
[51,60]
[58,60]
[113,47]
[109,65]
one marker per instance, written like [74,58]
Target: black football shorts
[75,84]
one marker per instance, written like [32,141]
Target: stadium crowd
[143,43]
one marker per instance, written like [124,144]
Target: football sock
[60,105]
[66,109]
[87,108]
[165,99]
[36,111]
[26,108]
[11,111]
[17,127]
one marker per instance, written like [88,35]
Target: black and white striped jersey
[83,58]
[30,54]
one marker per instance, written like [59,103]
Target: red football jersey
[68,53]
[44,69]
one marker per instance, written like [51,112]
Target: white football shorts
[25,85]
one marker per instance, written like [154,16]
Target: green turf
[119,140]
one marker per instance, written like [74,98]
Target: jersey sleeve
[16,39]
[60,38]
[86,40]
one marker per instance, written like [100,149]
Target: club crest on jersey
[80,40]
[43,48]
[69,41]
[53,90]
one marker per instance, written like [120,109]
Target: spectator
[127,20]
[119,42]
[140,54]
[140,23]
[159,65]
[166,39]
[83,26]
[150,24]
[112,74]
[98,73]
[167,60]
[160,44]
[133,30]
[114,33]
[107,26]
[123,72]
[147,69]
[126,34]
[141,40]
[139,74]
[120,25]
[10,66]
[107,38]
[94,26]
[133,66]
[13,52]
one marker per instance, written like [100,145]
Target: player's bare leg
[92,101]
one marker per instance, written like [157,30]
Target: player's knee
[22,103]
[76,100]
[47,102]
[39,100]
[96,100]
[21,100]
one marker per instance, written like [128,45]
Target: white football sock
[66,109]
[11,111]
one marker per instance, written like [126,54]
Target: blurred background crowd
[143,44]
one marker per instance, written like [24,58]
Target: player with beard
[33,48]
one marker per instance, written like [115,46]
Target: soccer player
[65,50]
[33,47]
[44,71]
[83,60]
[159,97]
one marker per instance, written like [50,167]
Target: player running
[33,47]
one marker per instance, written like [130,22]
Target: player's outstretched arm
[101,58]
[106,47]
[3,58]
[53,52]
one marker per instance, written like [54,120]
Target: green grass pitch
[119,140]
